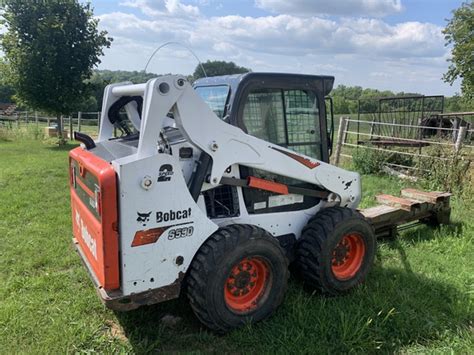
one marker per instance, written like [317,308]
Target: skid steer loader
[212,190]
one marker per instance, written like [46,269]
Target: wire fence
[447,141]
[418,146]
[87,122]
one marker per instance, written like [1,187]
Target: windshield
[215,97]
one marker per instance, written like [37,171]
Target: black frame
[242,85]
[275,82]
[240,88]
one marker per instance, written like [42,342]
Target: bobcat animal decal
[143,218]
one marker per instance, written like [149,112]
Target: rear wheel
[336,250]
[239,275]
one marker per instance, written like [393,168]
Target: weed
[368,160]
[446,171]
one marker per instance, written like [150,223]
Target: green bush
[453,174]
[400,159]
[369,161]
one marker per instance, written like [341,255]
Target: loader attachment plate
[94,216]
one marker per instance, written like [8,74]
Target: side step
[413,206]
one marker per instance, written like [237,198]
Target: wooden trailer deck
[412,206]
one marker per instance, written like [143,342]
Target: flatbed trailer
[413,207]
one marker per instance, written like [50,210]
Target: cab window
[215,97]
[289,118]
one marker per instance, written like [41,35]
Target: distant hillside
[116,76]
[345,97]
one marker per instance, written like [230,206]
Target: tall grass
[29,132]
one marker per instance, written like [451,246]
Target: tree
[218,67]
[460,34]
[6,90]
[51,48]
[101,78]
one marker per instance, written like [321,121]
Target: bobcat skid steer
[213,190]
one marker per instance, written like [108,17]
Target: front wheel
[239,275]
[336,250]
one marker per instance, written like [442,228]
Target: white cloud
[280,34]
[162,7]
[291,35]
[377,8]
[362,51]
[284,34]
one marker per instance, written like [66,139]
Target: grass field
[418,298]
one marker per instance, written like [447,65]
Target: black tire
[318,260]
[210,284]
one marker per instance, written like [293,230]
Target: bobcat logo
[143,218]
[166,171]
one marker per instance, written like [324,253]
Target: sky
[384,44]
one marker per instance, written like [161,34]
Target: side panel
[161,213]
[94,215]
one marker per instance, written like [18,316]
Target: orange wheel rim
[247,284]
[347,256]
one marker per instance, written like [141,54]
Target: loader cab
[289,110]
[286,109]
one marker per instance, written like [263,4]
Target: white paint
[90,241]
[154,265]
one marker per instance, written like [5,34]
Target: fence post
[79,116]
[344,137]
[47,121]
[340,137]
[36,118]
[459,138]
[26,117]
[70,128]
[372,129]
[98,122]
[17,116]
[60,128]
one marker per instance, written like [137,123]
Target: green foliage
[31,132]
[218,67]
[117,76]
[458,103]
[346,98]
[101,78]
[400,159]
[6,90]
[368,160]
[51,48]
[460,34]
[452,174]
[371,160]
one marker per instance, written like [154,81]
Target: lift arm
[226,144]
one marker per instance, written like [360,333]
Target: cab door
[289,118]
